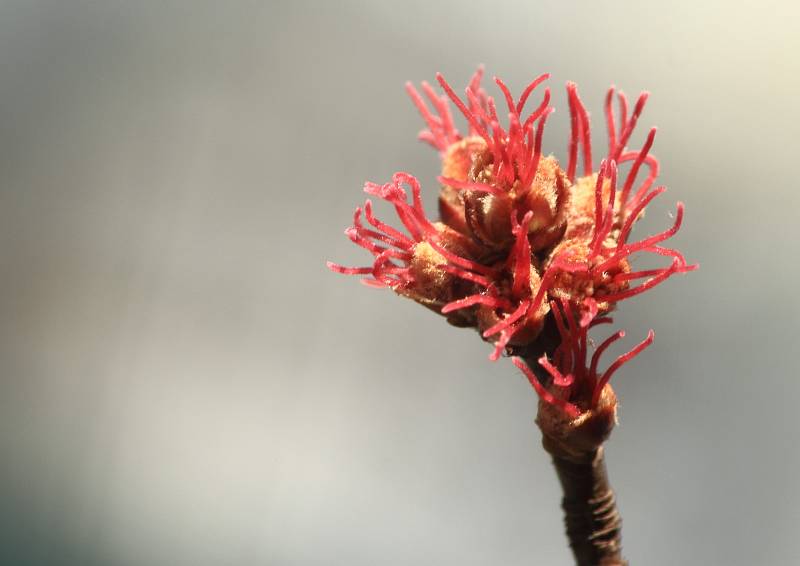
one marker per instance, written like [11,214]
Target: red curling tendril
[392,249]
[570,370]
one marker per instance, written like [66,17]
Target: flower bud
[548,199]
[530,323]
[456,164]
[576,437]
[487,214]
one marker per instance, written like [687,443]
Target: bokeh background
[182,382]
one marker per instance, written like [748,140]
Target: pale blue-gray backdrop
[182,382]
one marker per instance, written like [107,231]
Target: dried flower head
[523,240]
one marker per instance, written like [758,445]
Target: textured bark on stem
[593,524]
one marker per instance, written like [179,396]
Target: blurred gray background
[182,382]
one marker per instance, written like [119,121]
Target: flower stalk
[593,523]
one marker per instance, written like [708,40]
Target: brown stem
[593,524]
